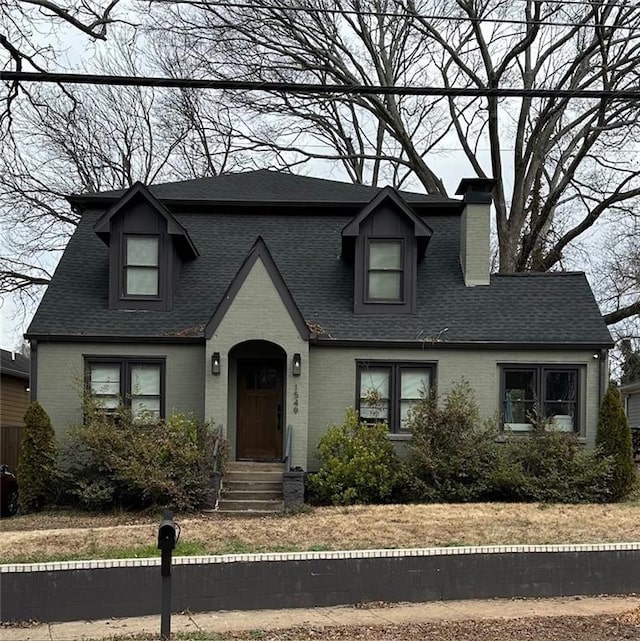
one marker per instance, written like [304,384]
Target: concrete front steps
[251,489]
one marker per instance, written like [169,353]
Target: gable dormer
[147,247]
[385,242]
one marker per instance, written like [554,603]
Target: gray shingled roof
[14,364]
[557,308]
[264,185]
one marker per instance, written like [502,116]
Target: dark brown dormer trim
[386,219]
[421,231]
[139,214]
[184,244]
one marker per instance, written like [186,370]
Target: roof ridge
[274,179]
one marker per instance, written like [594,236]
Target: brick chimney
[475,229]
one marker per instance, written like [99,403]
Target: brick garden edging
[77,590]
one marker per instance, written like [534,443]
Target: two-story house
[268,303]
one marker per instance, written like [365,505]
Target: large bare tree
[34,33]
[563,166]
[97,139]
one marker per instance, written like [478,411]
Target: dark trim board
[68,591]
[198,338]
[74,338]
[33,378]
[258,251]
[445,344]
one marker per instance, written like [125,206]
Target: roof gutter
[87,338]
[328,342]
[436,344]
[16,373]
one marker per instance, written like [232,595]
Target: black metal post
[166,543]
[165,617]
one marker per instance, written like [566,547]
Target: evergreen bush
[614,440]
[37,470]
[358,464]
[457,457]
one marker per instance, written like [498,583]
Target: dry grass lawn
[59,536]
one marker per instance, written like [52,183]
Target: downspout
[33,370]
[604,374]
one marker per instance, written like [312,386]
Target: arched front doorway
[259,377]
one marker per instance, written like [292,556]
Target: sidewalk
[371,615]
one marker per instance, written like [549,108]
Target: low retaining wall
[121,588]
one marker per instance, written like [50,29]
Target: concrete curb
[389,615]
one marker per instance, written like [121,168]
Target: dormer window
[141,266]
[385,271]
[147,248]
[385,242]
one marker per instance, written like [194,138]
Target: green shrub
[358,464]
[551,467]
[37,460]
[453,453]
[614,440]
[114,460]
[457,457]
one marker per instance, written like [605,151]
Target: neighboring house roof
[523,309]
[14,364]
[630,388]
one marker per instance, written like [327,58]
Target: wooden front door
[260,418]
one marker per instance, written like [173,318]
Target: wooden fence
[10,437]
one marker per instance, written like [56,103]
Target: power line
[314,89]
[395,14]
[586,3]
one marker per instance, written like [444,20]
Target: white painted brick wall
[474,238]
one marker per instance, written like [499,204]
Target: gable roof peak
[387,193]
[259,251]
[138,190]
[421,230]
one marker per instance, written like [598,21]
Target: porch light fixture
[296,364]
[215,363]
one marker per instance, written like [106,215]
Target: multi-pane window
[145,388]
[141,266]
[375,391]
[104,383]
[385,271]
[134,383]
[388,391]
[551,389]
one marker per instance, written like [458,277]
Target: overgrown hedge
[113,460]
[455,457]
